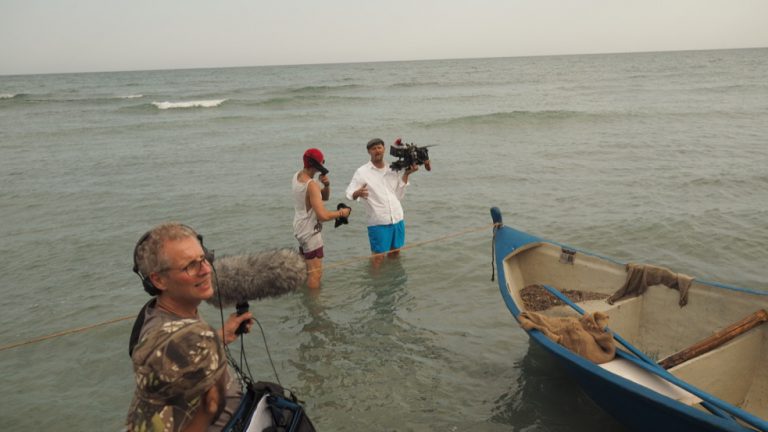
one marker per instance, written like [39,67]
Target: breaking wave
[189,104]
[132,96]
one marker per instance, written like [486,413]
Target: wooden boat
[702,366]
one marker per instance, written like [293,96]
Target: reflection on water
[358,350]
[543,397]
[387,285]
[366,334]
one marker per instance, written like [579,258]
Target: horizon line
[374,61]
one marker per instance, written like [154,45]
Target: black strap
[138,324]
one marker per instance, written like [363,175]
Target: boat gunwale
[514,242]
[541,241]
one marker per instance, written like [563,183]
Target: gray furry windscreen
[240,278]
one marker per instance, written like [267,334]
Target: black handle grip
[241,309]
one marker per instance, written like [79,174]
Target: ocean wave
[323,89]
[417,84]
[516,117]
[189,104]
[730,88]
[58,98]
[280,101]
[745,183]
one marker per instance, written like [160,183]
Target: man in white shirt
[380,190]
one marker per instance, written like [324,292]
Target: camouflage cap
[175,364]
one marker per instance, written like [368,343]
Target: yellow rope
[413,245]
[333,265]
[63,333]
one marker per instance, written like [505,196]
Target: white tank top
[305,224]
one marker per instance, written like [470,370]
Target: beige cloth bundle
[585,336]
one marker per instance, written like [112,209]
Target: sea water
[650,157]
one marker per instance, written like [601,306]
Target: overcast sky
[44,36]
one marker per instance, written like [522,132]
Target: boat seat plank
[634,373]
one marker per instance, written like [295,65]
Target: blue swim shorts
[384,238]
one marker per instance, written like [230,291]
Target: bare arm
[413,168]
[326,191]
[402,183]
[316,203]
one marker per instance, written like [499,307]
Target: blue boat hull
[635,406]
[632,405]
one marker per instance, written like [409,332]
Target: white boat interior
[736,371]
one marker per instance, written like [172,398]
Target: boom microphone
[240,278]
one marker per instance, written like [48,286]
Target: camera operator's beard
[378,160]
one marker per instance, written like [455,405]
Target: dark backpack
[287,413]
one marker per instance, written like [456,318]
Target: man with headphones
[176,269]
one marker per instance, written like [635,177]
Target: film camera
[409,154]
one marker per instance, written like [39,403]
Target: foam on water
[189,104]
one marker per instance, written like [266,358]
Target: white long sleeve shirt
[385,190]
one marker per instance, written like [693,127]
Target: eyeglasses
[194,268]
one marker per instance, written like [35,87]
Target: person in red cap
[310,213]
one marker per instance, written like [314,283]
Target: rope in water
[64,333]
[411,246]
[330,266]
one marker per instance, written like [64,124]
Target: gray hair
[149,254]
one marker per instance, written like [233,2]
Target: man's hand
[233,322]
[208,410]
[324,180]
[361,193]
[411,169]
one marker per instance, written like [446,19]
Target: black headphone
[149,287]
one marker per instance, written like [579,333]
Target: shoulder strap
[261,387]
[138,324]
